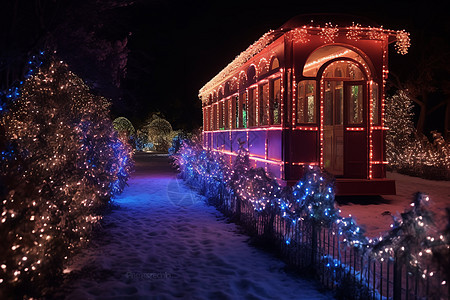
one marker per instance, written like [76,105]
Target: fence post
[397,279]
[313,244]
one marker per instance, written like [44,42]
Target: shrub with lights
[314,196]
[413,240]
[62,161]
[406,151]
[204,171]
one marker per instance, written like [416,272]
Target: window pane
[375,105]
[328,104]
[225,114]
[275,102]
[311,110]
[264,104]
[221,116]
[252,108]
[275,64]
[236,111]
[208,125]
[214,118]
[301,103]
[311,98]
[355,107]
[306,102]
[339,104]
[243,103]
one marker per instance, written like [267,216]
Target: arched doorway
[343,75]
[343,109]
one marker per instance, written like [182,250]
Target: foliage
[400,134]
[88,34]
[123,126]
[411,241]
[411,238]
[62,162]
[314,195]
[159,132]
[252,185]
[441,251]
[126,130]
[408,152]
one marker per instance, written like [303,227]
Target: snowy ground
[165,243]
[374,213]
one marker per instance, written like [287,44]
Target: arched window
[324,54]
[275,101]
[251,74]
[344,69]
[233,85]
[262,67]
[274,64]
[227,89]
[242,80]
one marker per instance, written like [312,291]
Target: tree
[125,129]
[159,132]
[401,132]
[425,81]
[86,34]
[62,161]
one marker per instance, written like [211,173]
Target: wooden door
[355,131]
[333,129]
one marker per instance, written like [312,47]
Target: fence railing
[351,272]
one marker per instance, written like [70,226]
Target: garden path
[164,242]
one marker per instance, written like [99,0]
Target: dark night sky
[177,46]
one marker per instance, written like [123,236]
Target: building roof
[326,25]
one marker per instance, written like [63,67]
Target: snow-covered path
[164,242]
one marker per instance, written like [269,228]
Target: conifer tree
[63,162]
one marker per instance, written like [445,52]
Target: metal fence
[352,273]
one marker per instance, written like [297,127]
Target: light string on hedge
[312,198]
[62,162]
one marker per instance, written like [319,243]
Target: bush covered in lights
[61,163]
[408,152]
[413,240]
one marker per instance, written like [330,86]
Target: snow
[375,213]
[164,242]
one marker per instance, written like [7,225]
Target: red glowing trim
[306,128]
[379,162]
[379,128]
[278,127]
[294,96]
[313,163]
[370,126]
[252,157]
[322,87]
[273,127]
[282,96]
[355,128]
